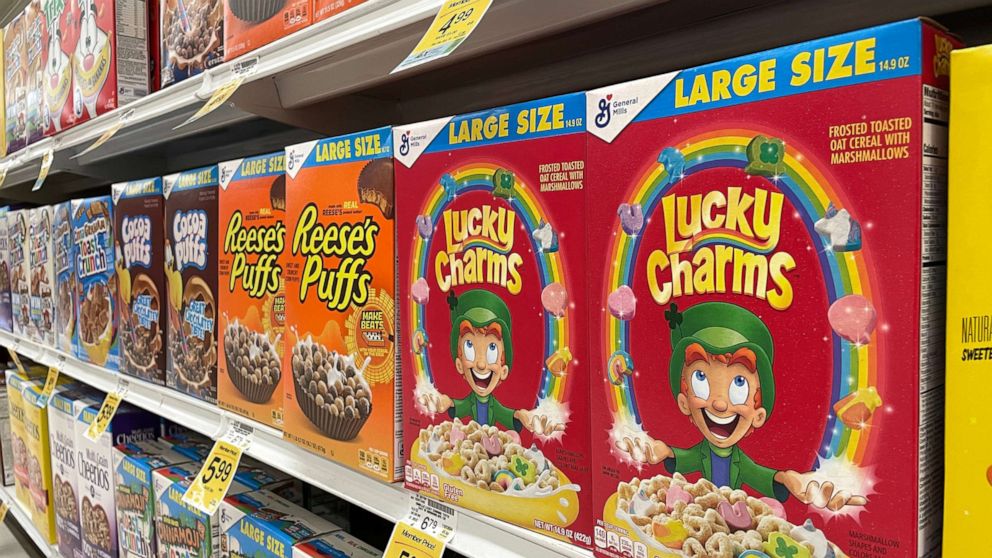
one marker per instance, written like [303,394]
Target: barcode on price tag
[215,477]
[425,530]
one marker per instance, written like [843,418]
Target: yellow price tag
[409,542]
[3,173]
[424,531]
[214,479]
[4,508]
[454,22]
[50,382]
[46,165]
[219,97]
[103,417]
[109,133]
[17,361]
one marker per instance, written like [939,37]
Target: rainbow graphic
[557,331]
[845,273]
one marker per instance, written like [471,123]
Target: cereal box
[63,244]
[324,9]
[97,491]
[340,401]
[6,309]
[249,24]
[65,406]
[139,217]
[492,276]
[6,440]
[18,238]
[56,103]
[251,237]
[3,104]
[338,544]
[15,84]
[765,330]
[262,523]
[95,338]
[34,45]
[191,281]
[133,467]
[42,275]
[39,455]
[15,397]
[181,530]
[192,37]
[110,59]
[968,467]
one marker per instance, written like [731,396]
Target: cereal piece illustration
[780,545]
[420,291]
[492,445]
[765,156]
[853,318]
[622,303]
[425,226]
[523,468]
[619,366]
[840,231]
[810,535]
[777,508]
[753,554]
[453,464]
[419,341]
[546,237]
[631,218]
[675,495]
[503,478]
[855,410]
[503,182]
[450,186]
[554,297]
[737,516]
[456,436]
[671,533]
[558,362]
[674,162]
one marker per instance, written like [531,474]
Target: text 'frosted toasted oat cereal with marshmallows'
[493,310]
[766,329]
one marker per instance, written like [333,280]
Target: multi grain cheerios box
[251,291]
[342,387]
[139,219]
[18,235]
[191,281]
[64,263]
[64,407]
[261,523]
[95,339]
[42,261]
[6,307]
[492,275]
[249,24]
[134,465]
[968,467]
[766,330]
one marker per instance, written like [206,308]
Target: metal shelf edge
[23,517]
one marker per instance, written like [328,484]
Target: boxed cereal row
[64,268]
[191,281]
[139,219]
[6,308]
[492,303]
[249,24]
[95,339]
[42,275]
[251,236]
[768,381]
[342,392]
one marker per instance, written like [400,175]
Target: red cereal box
[492,297]
[60,43]
[324,9]
[34,48]
[249,24]
[15,85]
[768,301]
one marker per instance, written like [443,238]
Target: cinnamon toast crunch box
[97,313]
[766,330]
[251,289]
[341,388]
[491,244]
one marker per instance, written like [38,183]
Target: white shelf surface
[23,517]
[476,535]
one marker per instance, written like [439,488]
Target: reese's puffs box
[767,311]
[491,270]
[340,356]
[251,236]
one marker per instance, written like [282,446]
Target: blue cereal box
[6,311]
[261,523]
[335,545]
[95,338]
[42,274]
[65,276]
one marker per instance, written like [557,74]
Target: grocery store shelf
[23,517]
[476,535]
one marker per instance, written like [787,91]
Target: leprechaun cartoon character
[722,379]
[482,351]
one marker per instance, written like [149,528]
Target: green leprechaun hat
[481,308]
[721,328]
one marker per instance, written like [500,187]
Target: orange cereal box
[342,393]
[250,290]
[249,24]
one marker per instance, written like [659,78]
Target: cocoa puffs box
[490,236]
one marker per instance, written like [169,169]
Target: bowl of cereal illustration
[192,31]
[196,363]
[675,517]
[65,300]
[252,362]
[140,336]
[331,389]
[96,327]
[496,473]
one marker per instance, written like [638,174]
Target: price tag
[453,24]
[3,173]
[425,530]
[46,165]
[107,411]
[4,508]
[17,359]
[50,382]
[214,479]
[105,137]
[241,71]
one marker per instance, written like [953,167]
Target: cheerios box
[342,386]
[95,339]
[338,544]
[261,523]
[64,268]
[16,383]
[18,238]
[968,466]
[191,281]
[134,464]
[42,261]
[766,332]
[6,307]
[251,236]
[492,306]
[180,529]
[139,219]
[249,24]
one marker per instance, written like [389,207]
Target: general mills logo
[405,144]
[603,118]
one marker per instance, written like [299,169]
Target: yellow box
[968,468]
[39,460]
[15,385]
